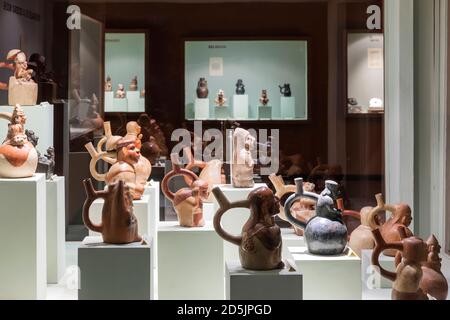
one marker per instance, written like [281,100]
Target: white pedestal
[56,230]
[201,109]
[287,107]
[290,239]
[222,112]
[39,119]
[109,101]
[134,104]
[265,112]
[120,105]
[242,284]
[208,211]
[328,278]
[141,104]
[370,275]
[240,106]
[23,265]
[234,220]
[191,265]
[142,210]
[114,272]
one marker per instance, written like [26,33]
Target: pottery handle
[380,246]
[224,206]
[92,195]
[293,198]
[177,171]
[381,206]
[93,163]
[108,131]
[6,116]
[277,182]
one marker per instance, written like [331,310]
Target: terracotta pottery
[18,156]
[108,84]
[285,90]
[264,100]
[134,84]
[125,157]
[260,243]
[21,89]
[119,224]
[120,93]
[325,233]
[303,209]
[433,281]
[93,119]
[242,163]
[202,89]
[408,277]
[220,100]
[46,163]
[396,228]
[188,202]
[240,87]
[150,128]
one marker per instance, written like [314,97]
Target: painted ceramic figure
[220,100]
[126,160]
[120,93]
[260,243]
[240,87]
[119,224]
[22,89]
[264,100]
[285,90]
[325,233]
[242,164]
[202,89]
[134,84]
[18,156]
[188,202]
[408,277]
[433,281]
[108,84]
[93,119]
[396,228]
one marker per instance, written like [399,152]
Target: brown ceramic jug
[119,224]
[396,227]
[188,202]
[433,281]
[260,242]
[409,273]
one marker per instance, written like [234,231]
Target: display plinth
[370,275]
[56,230]
[242,284]
[142,210]
[23,93]
[39,119]
[191,265]
[201,109]
[208,211]
[109,101]
[234,220]
[240,106]
[115,272]
[221,112]
[287,106]
[290,239]
[23,265]
[120,105]
[134,104]
[265,112]
[152,191]
[329,277]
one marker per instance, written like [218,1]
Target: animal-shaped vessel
[18,157]
[119,224]
[325,233]
[260,243]
[188,202]
[408,277]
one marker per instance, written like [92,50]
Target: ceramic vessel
[46,163]
[119,224]
[396,228]
[188,202]
[123,153]
[240,87]
[18,156]
[260,243]
[409,273]
[242,163]
[220,100]
[93,119]
[433,281]
[22,89]
[202,89]
[134,84]
[150,128]
[325,233]
[120,93]
[264,100]
[285,90]
[108,84]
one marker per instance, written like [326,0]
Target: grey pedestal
[242,284]
[114,272]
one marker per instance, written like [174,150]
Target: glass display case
[246,79]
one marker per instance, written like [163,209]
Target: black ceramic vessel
[325,233]
[202,89]
[286,90]
[240,87]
